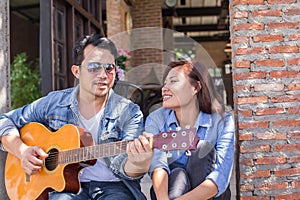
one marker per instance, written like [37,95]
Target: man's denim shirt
[217,130]
[122,120]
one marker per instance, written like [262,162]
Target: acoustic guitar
[69,150]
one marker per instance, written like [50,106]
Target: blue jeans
[95,190]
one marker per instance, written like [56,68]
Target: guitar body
[60,177]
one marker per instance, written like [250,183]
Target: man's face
[94,79]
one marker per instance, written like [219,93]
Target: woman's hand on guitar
[32,159]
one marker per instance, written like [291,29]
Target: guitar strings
[85,153]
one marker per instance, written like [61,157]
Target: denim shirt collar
[203,119]
[109,112]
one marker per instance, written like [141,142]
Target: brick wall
[265,37]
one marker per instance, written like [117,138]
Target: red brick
[291,122]
[244,88]
[267,38]
[253,148]
[287,147]
[295,159]
[253,124]
[240,14]
[294,110]
[254,2]
[252,100]
[244,51]
[273,186]
[277,25]
[284,74]
[295,184]
[246,136]
[247,187]
[246,161]
[269,87]
[269,111]
[245,113]
[295,11]
[291,196]
[295,61]
[294,86]
[295,134]
[287,172]
[250,75]
[266,13]
[240,39]
[295,36]
[271,136]
[241,64]
[248,27]
[286,98]
[284,49]
[271,160]
[256,174]
[270,63]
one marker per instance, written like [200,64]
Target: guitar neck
[186,139]
[92,152]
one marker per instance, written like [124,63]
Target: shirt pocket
[110,136]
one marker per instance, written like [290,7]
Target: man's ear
[76,71]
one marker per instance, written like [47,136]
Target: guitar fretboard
[92,152]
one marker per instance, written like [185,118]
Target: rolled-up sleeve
[7,127]
[133,127]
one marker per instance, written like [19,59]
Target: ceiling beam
[191,12]
[203,38]
[199,28]
[25,7]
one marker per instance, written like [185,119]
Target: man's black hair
[96,40]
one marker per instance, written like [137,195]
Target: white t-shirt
[99,171]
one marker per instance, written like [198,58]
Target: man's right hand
[32,159]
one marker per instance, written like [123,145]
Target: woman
[190,100]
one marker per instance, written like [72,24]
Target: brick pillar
[147,43]
[265,37]
[4,79]
[116,16]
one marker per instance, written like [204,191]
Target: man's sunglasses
[96,67]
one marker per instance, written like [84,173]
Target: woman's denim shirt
[122,120]
[217,130]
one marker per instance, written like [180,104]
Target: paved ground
[146,184]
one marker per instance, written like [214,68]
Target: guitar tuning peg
[169,154]
[188,153]
[178,128]
[187,126]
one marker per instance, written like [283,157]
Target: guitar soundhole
[51,161]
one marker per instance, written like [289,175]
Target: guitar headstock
[185,139]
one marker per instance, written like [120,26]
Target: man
[94,106]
